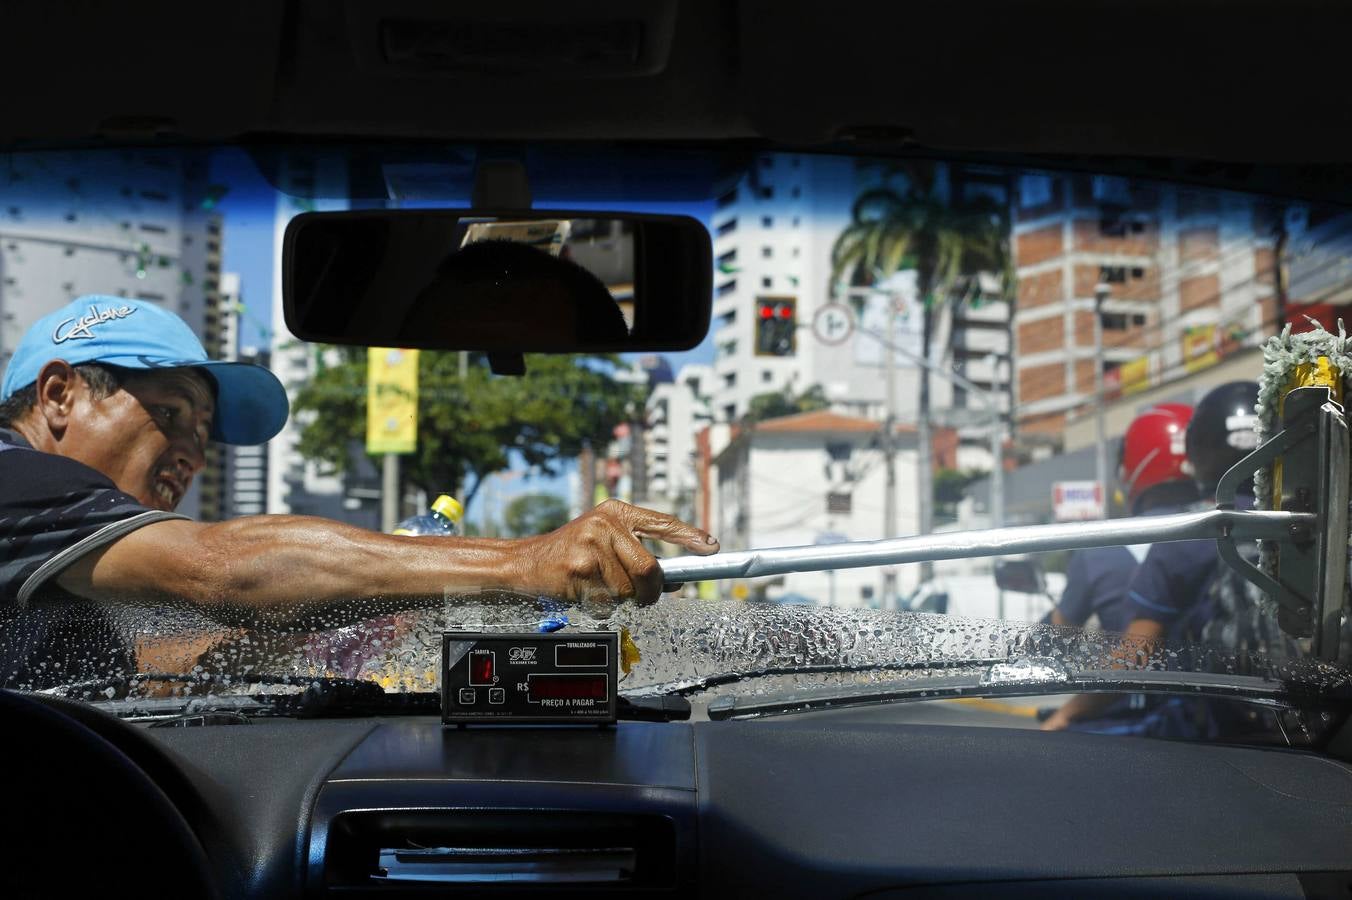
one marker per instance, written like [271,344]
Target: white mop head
[1286,357]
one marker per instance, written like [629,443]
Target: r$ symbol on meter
[833,323]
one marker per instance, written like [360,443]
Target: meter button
[497,695]
[467,696]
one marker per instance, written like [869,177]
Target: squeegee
[1300,470]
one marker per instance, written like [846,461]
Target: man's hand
[1058,721]
[598,556]
[1133,652]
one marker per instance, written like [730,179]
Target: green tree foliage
[534,514]
[468,427]
[783,403]
[918,226]
[950,487]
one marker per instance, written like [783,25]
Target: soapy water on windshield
[681,641]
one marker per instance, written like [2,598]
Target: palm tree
[947,241]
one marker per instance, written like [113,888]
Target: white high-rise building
[240,485]
[677,411]
[772,240]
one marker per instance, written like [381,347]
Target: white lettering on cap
[82,328]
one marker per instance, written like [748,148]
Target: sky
[249,210]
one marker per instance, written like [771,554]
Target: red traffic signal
[776,326]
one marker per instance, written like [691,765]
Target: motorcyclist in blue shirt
[1168,594]
[1152,468]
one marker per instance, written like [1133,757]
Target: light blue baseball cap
[251,403]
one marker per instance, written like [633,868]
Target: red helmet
[1154,449]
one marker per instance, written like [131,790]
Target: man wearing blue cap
[106,410]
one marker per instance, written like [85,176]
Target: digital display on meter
[579,653]
[508,679]
[565,687]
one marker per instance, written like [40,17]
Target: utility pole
[987,398]
[586,471]
[925,451]
[389,492]
[997,473]
[638,458]
[997,498]
[1101,293]
[889,599]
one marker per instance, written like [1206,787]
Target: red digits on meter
[481,668]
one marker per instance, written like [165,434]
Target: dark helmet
[1221,432]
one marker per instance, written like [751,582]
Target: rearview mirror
[1022,576]
[536,281]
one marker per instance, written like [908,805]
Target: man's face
[150,436]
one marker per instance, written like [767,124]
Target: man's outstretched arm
[284,565]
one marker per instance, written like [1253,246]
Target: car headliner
[1165,87]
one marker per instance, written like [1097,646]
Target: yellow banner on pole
[391,400]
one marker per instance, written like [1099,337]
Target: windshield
[898,347]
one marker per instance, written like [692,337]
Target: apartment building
[772,238]
[677,411]
[1184,278]
[234,482]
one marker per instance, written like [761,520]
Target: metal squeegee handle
[1206,525]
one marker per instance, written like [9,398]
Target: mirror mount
[507,363]
[502,183]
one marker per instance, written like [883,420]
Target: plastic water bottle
[442,521]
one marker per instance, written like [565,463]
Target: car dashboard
[835,803]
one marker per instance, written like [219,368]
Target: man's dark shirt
[1172,585]
[1096,584]
[53,511]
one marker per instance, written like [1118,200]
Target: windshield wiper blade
[699,685]
[320,696]
[1276,693]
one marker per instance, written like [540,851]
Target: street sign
[1076,501]
[833,323]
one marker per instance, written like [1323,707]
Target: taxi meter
[529,678]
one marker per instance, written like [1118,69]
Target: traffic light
[776,326]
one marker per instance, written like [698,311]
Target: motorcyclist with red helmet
[1153,470]
[1169,595]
